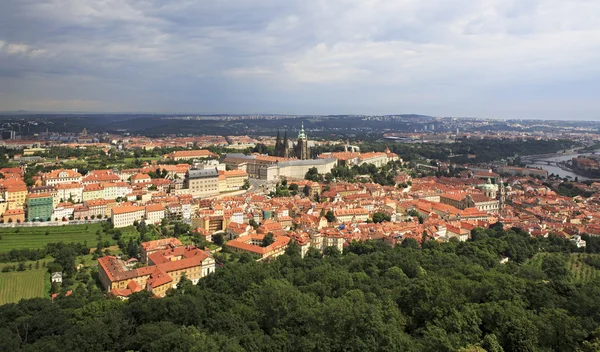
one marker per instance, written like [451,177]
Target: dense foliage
[485,149]
[441,297]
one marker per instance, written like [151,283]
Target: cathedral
[299,150]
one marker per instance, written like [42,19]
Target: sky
[485,58]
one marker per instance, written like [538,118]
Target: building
[154,213]
[13,216]
[72,192]
[233,180]
[59,176]
[40,206]
[150,247]
[140,178]
[299,150]
[92,191]
[15,196]
[202,182]
[126,215]
[295,169]
[252,164]
[164,271]
[522,171]
[100,176]
[191,154]
[351,215]
[252,244]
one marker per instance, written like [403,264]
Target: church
[299,150]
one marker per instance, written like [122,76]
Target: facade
[124,216]
[69,192]
[92,191]
[191,154]
[202,182]
[154,213]
[251,244]
[15,196]
[40,206]
[233,180]
[13,216]
[295,169]
[61,176]
[351,215]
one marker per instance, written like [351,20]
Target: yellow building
[16,196]
[92,191]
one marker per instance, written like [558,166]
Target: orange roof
[68,185]
[16,188]
[126,209]
[54,174]
[140,177]
[154,207]
[192,153]
[39,195]
[242,243]
[235,173]
[160,244]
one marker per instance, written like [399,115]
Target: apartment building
[126,215]
[202,182]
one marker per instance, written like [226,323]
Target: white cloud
[247,71]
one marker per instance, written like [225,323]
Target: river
[553,169]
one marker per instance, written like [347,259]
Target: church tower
[302,145]
[277,143]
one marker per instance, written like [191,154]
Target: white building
[124,216]
[154,213]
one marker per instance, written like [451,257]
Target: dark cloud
[312,56]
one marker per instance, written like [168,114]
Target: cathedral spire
[302,135]
[277,142]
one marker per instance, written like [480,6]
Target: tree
[246,184]
[331,251]
[253,223]
[312,175]
[380,217]
[267,240]
[218,239]
[555,267]
[330,216]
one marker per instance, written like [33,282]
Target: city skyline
[528,59]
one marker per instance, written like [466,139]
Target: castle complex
[298,150]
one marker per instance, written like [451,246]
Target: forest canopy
[454,296]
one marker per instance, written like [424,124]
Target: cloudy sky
[489,58]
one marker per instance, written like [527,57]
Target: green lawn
[35,238]
[22,284]
[145,158]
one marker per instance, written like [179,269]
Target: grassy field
[22,284]
[35,238]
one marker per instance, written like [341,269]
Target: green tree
[267,240]
[555,267]
[330,216]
